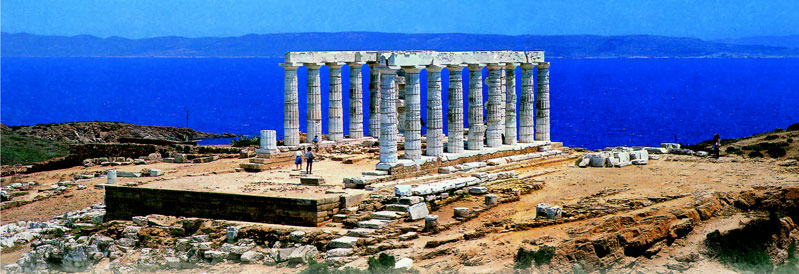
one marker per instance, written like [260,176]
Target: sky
[706,19]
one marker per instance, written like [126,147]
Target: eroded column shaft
[335,113]
[494,106]
[314,99]
[455,110]
[388,117]
[476,125]
[291,112]
[542,104]
[374,101]
[527,106]
[356,101]
[435,122]
[413,125]
[510,105]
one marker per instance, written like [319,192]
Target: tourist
[316,143]
[298,160]
[309,156]
[716,145]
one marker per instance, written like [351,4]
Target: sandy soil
[565,184]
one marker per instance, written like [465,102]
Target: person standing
[716,145]
[298,160]
[309,157]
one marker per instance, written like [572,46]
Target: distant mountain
[276,45]
[790,41]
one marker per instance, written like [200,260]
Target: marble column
[494,106]
[435,122]
[335,114]
[314,100]
[502,102]
[476,125]
[542,104]
[388,116]
[374,101]
[291,112]
[527,105]
[413,111]
[510,104]
[356,101]
[455,109]
[399,86]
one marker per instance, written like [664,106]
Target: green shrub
[771,137]
[245,142]
[751,147]
[383,263]
[793,127]
[755,154]
[789,140]
[23,149]
[732,150]
[778,130]
[525,258]
[776,152]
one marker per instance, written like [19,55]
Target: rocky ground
[104,132]
[671,215]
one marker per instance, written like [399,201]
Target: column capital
[412,69]
[511,65]
[544,65]
[475,66]
[434,68]
[387,69]
[335,65]
[290,66]
[355,64]
[496,65]
[457,67]
[528,65]
[313,65]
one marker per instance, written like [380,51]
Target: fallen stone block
[491,199]
[404,263]
[396,207]
[461,212]
[312,181]
[385,215]
[541,209]
[478,190]
[431,222]
[447,170]
[496,162]
[156,172]
[374,224]
[656,150]
[554,212]
[408,236]
[670,146]
[403,190]
[375,173]
[584,162]
[411,200]
[639,162]
[339,252]
[128,174]
[343,242]
[360,232]
[303,254]
[418,211]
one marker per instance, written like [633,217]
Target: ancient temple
[395,108]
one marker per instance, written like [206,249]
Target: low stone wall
[401,171]
[122,203]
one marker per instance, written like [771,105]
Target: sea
[594,102]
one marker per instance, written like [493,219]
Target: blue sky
[707,19]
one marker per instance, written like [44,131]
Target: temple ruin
[392,114]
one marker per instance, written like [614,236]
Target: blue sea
[595,102]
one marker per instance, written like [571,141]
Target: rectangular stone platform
[122,203]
